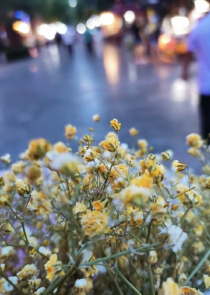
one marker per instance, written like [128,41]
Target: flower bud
[166,156]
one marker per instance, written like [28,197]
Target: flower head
[115,124]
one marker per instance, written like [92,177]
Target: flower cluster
[106,219]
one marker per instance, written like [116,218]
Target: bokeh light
[129,16]
[81,28]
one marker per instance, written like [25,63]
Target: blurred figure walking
[199,44]
[88,39]
[68,39]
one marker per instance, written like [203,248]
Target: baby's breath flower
[6,228]
[45,251]
[93,223]
[7,286]
[96,118]
[79,208]
[170,287]
[28,271]
[53,268]
[40,291]
[6,159]
[38,148]
[18,167]
[175,237]
[194,140]
[22,187]
[6,251]
[115,124]
[40,203]
[178,166]
[152,258]
[206,280]
[60,147]
[111,142]
[70,131]
[133,132]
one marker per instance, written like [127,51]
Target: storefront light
[107,18]
[129,16]
[21,27]
[180,25]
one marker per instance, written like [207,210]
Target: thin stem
[196,268]
[126,281]
[151,280]
[129,251]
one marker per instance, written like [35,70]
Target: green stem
[126,252]
[196,268]
[126,281]
[151,280]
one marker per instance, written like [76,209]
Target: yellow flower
[18,167]
[115,124]
[4,200]
[6,228]
[79,208]
[111,142]
[99,206]
[170,287]
[90,155]
[70,131]
[96,118]
[152,258]
[198,230]
[189,291]
[53,268]
[29,271]
[6,159]
[132,193]
[60,147]
[117,171]
[194,140]
[38,148]
[166,156]
[178,166]
[198,247]
[188,197]
[22,187]
[133,132]
[40,203]
[93,223]
[206,280]
[34,172]
[144,180]
[194,152]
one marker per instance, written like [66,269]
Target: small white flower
[101,268]
[7,251]
[45,251]
[7,286]
[57,160]
[93,164]
[40,291]
[2,265]
[176,237]
[6,159]
[81,283]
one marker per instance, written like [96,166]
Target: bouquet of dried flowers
[107,219]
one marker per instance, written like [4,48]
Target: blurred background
[62,61]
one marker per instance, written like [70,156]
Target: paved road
[38,97]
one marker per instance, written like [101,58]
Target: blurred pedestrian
[153,44]
[68,39]
[199,44]
[88,39]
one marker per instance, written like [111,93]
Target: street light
[73,3]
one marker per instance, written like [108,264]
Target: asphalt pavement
[38,97]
